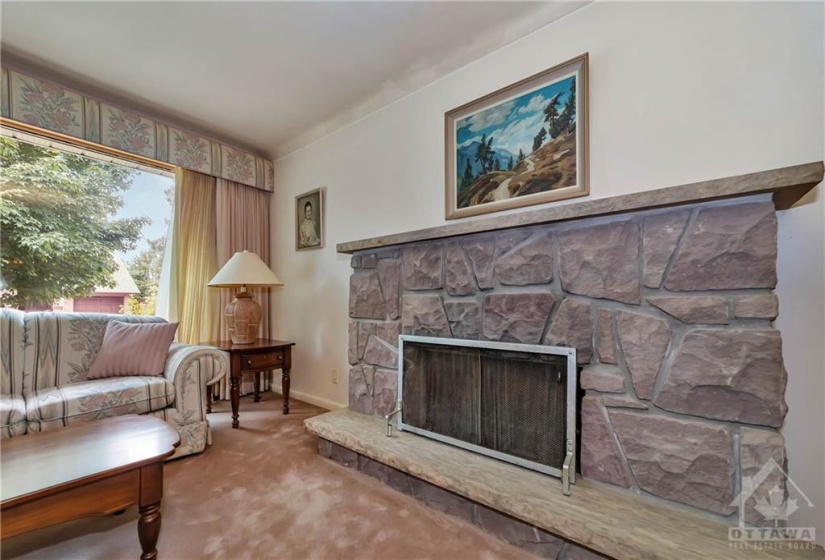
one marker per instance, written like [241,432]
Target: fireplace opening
[514,402]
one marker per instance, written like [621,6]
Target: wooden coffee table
[96,468]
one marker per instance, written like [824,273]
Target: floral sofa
[45,358]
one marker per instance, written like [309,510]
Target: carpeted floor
[264,492]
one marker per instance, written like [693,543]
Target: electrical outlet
[335,376]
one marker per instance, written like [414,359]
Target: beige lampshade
[244,269]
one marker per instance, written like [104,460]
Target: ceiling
[268,76]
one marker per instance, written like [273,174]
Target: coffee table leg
[285,389]
[149,530]
[257,387]
[235,395]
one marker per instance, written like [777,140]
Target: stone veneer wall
[670,312]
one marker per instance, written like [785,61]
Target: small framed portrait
[309,220]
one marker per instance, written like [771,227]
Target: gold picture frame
[309,220]
[525,144]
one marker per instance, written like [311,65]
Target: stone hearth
[507,528]
[526,508]
[670,310]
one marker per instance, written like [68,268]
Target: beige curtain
[194,258]
[242,225]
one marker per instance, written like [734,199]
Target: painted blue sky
[146,198]
[514,123]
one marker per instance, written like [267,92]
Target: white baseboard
[311,399]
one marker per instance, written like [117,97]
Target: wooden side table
[259,356]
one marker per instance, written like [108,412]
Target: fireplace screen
[514,402]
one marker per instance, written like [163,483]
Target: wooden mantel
[786,184]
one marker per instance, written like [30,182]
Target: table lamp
[243,314]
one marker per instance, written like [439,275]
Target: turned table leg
[285,389]
[149,530]
[151,492]
[257,387]
[235,396]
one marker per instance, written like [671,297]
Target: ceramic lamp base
[243,316]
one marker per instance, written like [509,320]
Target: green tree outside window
[57,225]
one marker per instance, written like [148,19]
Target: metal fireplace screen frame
[568,468]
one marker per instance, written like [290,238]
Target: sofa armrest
[191,368]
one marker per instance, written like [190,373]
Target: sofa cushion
[133,350]
[60,347]
[12,416]
[12,351]
[53,407]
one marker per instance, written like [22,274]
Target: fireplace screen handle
[389,418]
[565,469]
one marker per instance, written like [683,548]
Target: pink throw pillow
[133,349]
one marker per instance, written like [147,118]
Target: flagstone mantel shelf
[786,184]
[617,523]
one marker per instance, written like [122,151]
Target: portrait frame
[557,170]
[303,232]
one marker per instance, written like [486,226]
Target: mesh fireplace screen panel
[434,378]
[511,402]
[525,405]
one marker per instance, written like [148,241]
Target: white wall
[679,93]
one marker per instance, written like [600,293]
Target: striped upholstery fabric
[12,416]
[133,350]
[191,368]
[56,407]
[12,334]
[45,362]
[12,354]
[63,346]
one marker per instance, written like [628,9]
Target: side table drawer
[266,360]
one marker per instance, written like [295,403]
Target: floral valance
[48,105]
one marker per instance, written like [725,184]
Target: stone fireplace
[667,297]
[670,314]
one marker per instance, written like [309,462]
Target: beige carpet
[264,492]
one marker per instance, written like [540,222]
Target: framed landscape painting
[522,145]
[309,220]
